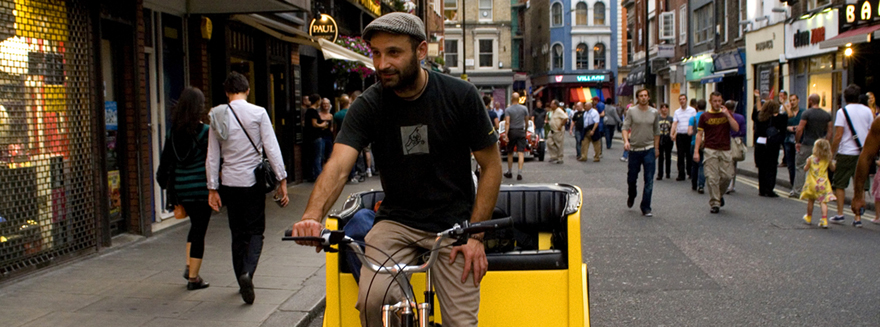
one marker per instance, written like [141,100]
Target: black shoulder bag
[873,168]
[263,173]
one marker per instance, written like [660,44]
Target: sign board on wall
[699,67]
[803,36]
[324,28]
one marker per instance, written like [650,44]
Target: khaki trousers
[718,168]
[459,302]
[554,145]
[585,146]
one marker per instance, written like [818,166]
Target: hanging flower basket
[343,68]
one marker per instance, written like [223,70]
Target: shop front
[730,74]
[699,76]
[764,51]
[853,51]
[582,87]
[814,70]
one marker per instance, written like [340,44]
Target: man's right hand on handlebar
[308,227]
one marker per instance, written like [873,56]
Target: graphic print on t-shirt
[414,139]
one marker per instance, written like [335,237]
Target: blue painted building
[582,58]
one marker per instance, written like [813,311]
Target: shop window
[703,25]
[450,10]
[582,56]
[486,10]
[487,53]
[557,56]
[556,14]
[580,13]
[599,14]
[599,56]
[450,47]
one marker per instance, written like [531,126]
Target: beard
[401,79]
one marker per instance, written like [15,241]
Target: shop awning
[249,6]
[293,35]
[636,76]
[717,77]
[586,94]
[625,89]
[857,35]
[535,92]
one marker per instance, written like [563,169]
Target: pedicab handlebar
[459,231]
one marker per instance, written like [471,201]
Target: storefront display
[814,68]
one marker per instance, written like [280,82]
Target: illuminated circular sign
[324,28]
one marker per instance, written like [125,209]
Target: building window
[450,10]
[486,53]
[683,25]
[813,4]
[450,47]
[599,56]
[742,17]
[557,57]
[599,14]
[582,59]
[580,13]
[629,48]
[485,9]
[723,31]
[556,14]
[704,20]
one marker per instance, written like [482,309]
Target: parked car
[535,141]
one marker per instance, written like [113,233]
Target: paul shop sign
[802,37]
[324,28]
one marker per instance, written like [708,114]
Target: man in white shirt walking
[682,140]
[245,200]
[850,132]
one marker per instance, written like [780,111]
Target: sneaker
[823,223]
[857,223]
[630,200]
[518,177]
[553,161]
[582,159]
[648,213]
[623,159]
[508,175]
[808,220]
[793,194]
[369,173]
[659,178]
[596,160]
[700,190]
[354,180]
[731,190]
[837,219]
[559,162]
[715,210]
[722,201]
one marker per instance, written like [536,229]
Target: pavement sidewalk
[140,283]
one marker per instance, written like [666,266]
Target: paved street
[755,263]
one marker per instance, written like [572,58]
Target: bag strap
[855,135]
[244,130]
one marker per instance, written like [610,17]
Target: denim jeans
[609,135]
[540,131]
[637,159]
[578,137]
[357,228]
[322,147]
[698,177]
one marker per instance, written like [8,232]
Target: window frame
[581,15]
[480,53]
[457,53]
[585,59]
[682,25]
[708,28]
[449,9]
[561,57]
[667,21]
[596,11]
[481,9]
[554,6]
[603,57]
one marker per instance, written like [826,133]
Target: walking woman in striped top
[183,162]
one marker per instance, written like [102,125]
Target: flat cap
[396,23]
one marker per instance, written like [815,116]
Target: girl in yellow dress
[817,187]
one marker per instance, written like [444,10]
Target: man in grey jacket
[244,199]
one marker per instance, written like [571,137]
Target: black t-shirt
[539,115]
[817,125]
[422,147]
[310,132]
[578,118]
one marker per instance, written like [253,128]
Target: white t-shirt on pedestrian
[861,117]
[683,116]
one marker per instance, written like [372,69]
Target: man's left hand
[474,258]
[656,152]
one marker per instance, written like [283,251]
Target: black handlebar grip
[288,233]
[488,225]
